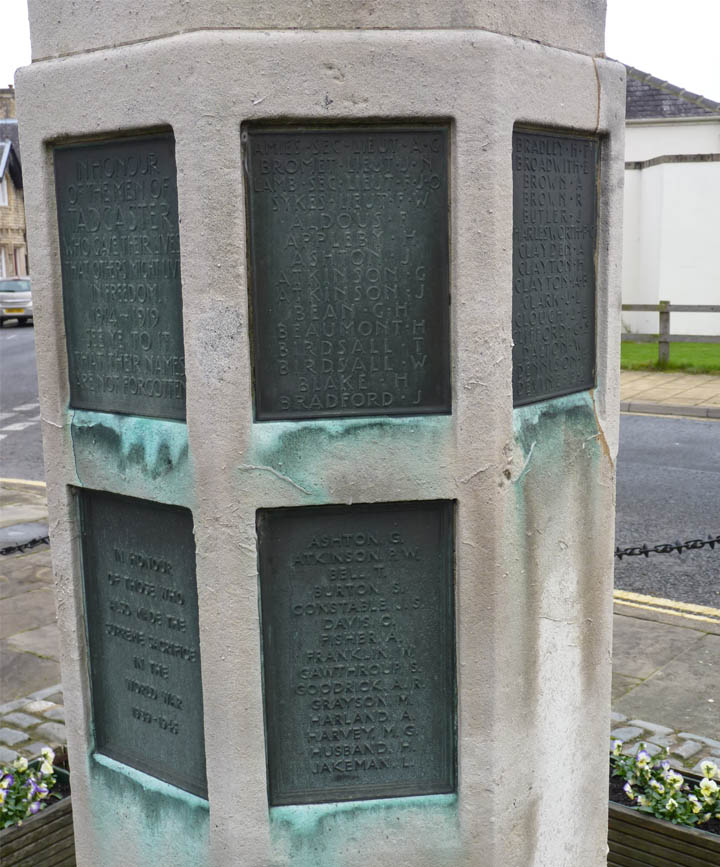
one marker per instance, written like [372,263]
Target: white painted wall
[647,139]
[672,226]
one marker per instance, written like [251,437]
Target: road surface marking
[688,610]
[20,425]
[30,482]
[26,406]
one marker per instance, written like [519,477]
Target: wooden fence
[664,338]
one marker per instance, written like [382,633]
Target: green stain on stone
[315,834]
[147,449]
[546,429]
[297,449]
[140,820]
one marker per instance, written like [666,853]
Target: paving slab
[26,611]
[44,641]
[20,673]
[684,692]
[641,647]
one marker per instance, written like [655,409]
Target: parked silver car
[15,299]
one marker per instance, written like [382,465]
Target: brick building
[13,245]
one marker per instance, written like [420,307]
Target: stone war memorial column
[328,328]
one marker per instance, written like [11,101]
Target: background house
[13,245]
[671,245]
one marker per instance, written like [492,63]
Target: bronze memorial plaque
[120,254]
[358,651]
[554,236]
[348,241]
[144,645]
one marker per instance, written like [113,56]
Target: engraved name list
[554,234]
[120,254]
[359,656]
[349,271]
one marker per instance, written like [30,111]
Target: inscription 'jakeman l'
[144,643]
[349,270]
[358,651]
[120,253]
[554,237]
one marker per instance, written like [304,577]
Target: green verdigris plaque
[349,270]
[120,253]
[555,179]
[358,651]
[144,644]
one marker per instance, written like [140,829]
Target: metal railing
[664,338]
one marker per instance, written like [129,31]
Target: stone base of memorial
[45,838]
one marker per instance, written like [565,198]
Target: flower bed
[36,814]
[660,818]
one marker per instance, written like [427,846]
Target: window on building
[3,192]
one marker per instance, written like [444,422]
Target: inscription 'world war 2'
[554,236]
[141,600]
[358,651]
[120,253]
[349,255]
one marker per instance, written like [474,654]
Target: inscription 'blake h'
[349,255]
[120,254]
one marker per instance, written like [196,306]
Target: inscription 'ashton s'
[359,662]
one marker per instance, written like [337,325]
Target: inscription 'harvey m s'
[349,248]
[360,690]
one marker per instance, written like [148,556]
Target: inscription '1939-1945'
[358,659]
[120,254]
[349,269]
[141,602]
[554,236]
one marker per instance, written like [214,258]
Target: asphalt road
[20,435]
[668,485]
[668,490]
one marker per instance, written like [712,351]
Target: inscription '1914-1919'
[142,615]
[554,238]
[349,269]
[358,632]
[120,254]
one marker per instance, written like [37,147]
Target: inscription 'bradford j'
[554,236]
[142,616]
[349,269]
[358,632]
[120,254]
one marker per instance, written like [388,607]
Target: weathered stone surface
[61,28]
[7,756]
[546,596]
[20,719]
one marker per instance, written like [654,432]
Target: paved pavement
[666,661]
[668,393]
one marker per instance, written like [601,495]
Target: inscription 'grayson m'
[359,662]
[349,270]
[142,617]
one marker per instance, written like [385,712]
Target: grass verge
[687,357]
